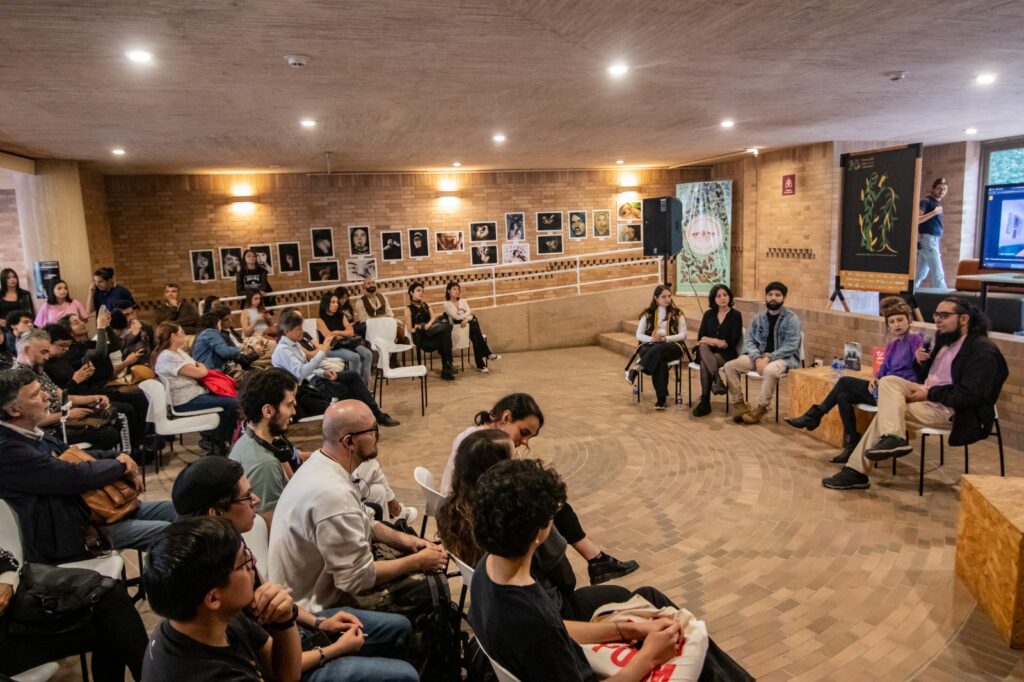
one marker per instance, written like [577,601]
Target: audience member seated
[372,303]
[173,309]
[519,416]
[334,325]
[849,391]
[772,348]
[211,349]
[362,644]
[458,313]
[15,325]
[183,375]
[46,492]
[231,334]
[430,332]
[255,317]
[662,336]
[958,381]
[200,577]
[140,333]
[112,630]
[14,297]
[289,356]
[325,546]
[105,293]
[58,304]
[135,341]
[252,277]
[721,330]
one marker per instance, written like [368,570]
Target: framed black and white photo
[322,239]
[484,254]
[577,224]
[358,268]
[391,245]
[483,232]
[515,252]
[202,265]
[602,223]
[323,271]
[449,240]
[230,261]
[549,221]
[515,227]
[548,244]
[288,258]
[359,240]
[419,242]
[264,257]
[630,233]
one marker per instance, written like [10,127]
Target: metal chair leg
[942,450]
[423,528]
[967,460]
[999,439]
[689,386]
[920,475]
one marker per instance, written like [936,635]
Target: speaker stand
[664,269]
[838,293]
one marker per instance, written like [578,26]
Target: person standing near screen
[929,237]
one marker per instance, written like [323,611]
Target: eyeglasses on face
[247,498]
[248,559]
[943,315]
[375,430]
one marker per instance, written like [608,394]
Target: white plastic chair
[385,372]
[502,673]
[467,579]
[163,425]
[756,375]
[38,674]
[386,328]
[943,434]
[309,326]
[257,539]
[183,413]
[433,499]
[460,341]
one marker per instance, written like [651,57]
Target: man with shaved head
[324,544]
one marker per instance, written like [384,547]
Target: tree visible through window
[1006,166]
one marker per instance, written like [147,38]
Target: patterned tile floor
[795,581]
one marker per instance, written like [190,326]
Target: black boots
[850,441]
[448,372]
[808,420]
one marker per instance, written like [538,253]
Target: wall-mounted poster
[630,211]
[359,240]
[515,252]
[707,229]
[515,227]
[483,232]
[549,221]
[322,239]
[230,261]
[602,223]
[46,274]
[548,244]
[449,240]
[577,224]
[202,265]
[358,268]
[630,233]
[264,257]
[391,245]
[288,258]
[484,255]
[323,271]
[419,242]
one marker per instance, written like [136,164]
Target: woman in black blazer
[720,332]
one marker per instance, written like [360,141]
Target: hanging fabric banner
[707,235]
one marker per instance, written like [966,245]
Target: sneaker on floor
[387,420]
[888,446]
[494,356]
[407,514]
[660,405]
[755,415]
[847,479]
[483,370]
[631,375]
[702,409]
[605,567]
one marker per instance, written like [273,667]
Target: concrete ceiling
[413,85]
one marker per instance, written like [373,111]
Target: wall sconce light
[629,180]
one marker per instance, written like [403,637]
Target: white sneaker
[483,370]
[494,356]
[408,513]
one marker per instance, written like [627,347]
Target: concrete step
[619,342]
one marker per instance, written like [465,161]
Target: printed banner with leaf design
[707,234]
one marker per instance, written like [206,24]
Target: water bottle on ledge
[837,367]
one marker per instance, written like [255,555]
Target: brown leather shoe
[738,410]
[755,415]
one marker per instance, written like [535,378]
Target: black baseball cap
[202,484]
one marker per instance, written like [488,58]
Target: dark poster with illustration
[879,218]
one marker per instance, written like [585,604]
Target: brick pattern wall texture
[11,254]
[958,162]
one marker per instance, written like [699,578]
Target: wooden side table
[809,386]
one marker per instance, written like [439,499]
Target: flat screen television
[1002,233]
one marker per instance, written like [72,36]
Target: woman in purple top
[849,391]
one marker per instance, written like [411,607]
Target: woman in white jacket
[661,333]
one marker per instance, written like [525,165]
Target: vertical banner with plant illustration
[707,230]
[879,225]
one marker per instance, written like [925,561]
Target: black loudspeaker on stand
[663,228]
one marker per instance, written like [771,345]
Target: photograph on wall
[630,233]
[602,223]
[391,245]
[230,261]
[515,227]
[419,242]
[630,211]
[549,221]
[358,268]
[483,232]
[517,252]
[359,240]
[322,239]
[577,224]
[323,271]
[264,257]
[288,258]
[202,265]
[448,240]
[548,244]
[707,228]
[46,274]
[484,254]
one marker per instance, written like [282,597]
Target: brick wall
[959,163]
[11,254]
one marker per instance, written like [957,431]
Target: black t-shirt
[770,344]
[934,224]
[520,628]
[173,657]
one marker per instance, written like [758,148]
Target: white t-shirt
[183,388]
[449,468]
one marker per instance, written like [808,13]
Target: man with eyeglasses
[960,380]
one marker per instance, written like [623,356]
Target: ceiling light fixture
[139,56]
[117,151]
[753,150]
[308,123]
[499,137]
[985,79]
[728,123]
[971,131]
[618,70]
[456,164]
[619,162]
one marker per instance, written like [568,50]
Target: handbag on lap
[110,503]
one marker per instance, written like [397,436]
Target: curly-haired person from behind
[513,618]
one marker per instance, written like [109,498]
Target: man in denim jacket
[772,348]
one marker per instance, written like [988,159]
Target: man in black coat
[960,382]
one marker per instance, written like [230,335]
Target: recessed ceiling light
[985,79]
[619,161]
[618,70]
[308,123]
[971,131]
[139,56]
[456,164]
[753,150]
[499,137]
[728,123]
[117,151]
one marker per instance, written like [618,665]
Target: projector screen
[1002,237]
